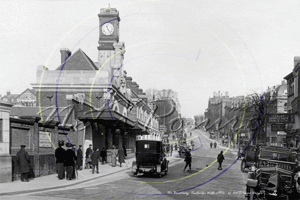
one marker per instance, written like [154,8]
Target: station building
[82,102]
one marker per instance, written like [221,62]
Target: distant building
[293,135]
[26,98]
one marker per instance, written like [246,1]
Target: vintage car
[274,175]
[150,156]
[249,156]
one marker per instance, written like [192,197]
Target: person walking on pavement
[171,149]
[220,159]
[95,158]
[175,146]
[79,158]
[103,155]
[70,161]
[193,145]
[60,155]
[188,160]
[114,154]
[24,163]
[215,145]
[125,153]
[121,156]
[88,155]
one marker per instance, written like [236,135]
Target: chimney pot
[65,54]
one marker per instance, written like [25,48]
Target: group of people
[66,160]
[213,144]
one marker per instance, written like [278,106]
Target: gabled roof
[78,61]
[30,90]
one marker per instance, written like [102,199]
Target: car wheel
[159,175]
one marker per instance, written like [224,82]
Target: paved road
[202,183]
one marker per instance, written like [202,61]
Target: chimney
[226,94]
[7,92]
[214,95]
[65,54]
[296,60]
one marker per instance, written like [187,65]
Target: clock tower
[111,51]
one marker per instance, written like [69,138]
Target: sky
[193,47]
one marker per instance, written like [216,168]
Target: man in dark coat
[95,160]
[215,145]
[70,161]
[79,158]
[103,155]
[188,160]
[121,156]
[60,155]
[88,155]
[125,153]
[220,159]
[24,163]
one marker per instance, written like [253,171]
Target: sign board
[277,127]
[44,139]
[163,128]
[280,118]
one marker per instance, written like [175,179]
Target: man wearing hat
[88,155]
[23,161]
[79,158]
[70,161]
[60,155]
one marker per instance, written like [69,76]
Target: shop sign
[280,118]
[277,127]
[45,139]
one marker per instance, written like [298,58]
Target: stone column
[5,157]
[36,148]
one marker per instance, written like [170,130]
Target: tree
[259,107]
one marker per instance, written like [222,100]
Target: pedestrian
[193,145]
[121,156]
[215,145]
[220,159]
[171,149]
[191,134]
[70,161]
[88,154]
[188,160]
[60,155]
[79,158]
[175,146]
[24,164]
[103,155]
[168,149]
[125,153]
[95,160]
[114,154]
[211,144]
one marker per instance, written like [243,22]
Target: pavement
[50,182]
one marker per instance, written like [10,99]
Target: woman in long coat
[121,156]
[114,154]
[23,161]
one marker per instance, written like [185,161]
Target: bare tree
[258,109]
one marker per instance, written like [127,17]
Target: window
[1,125]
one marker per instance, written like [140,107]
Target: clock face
[107,29]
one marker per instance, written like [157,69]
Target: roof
[30,90]
[78,61]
